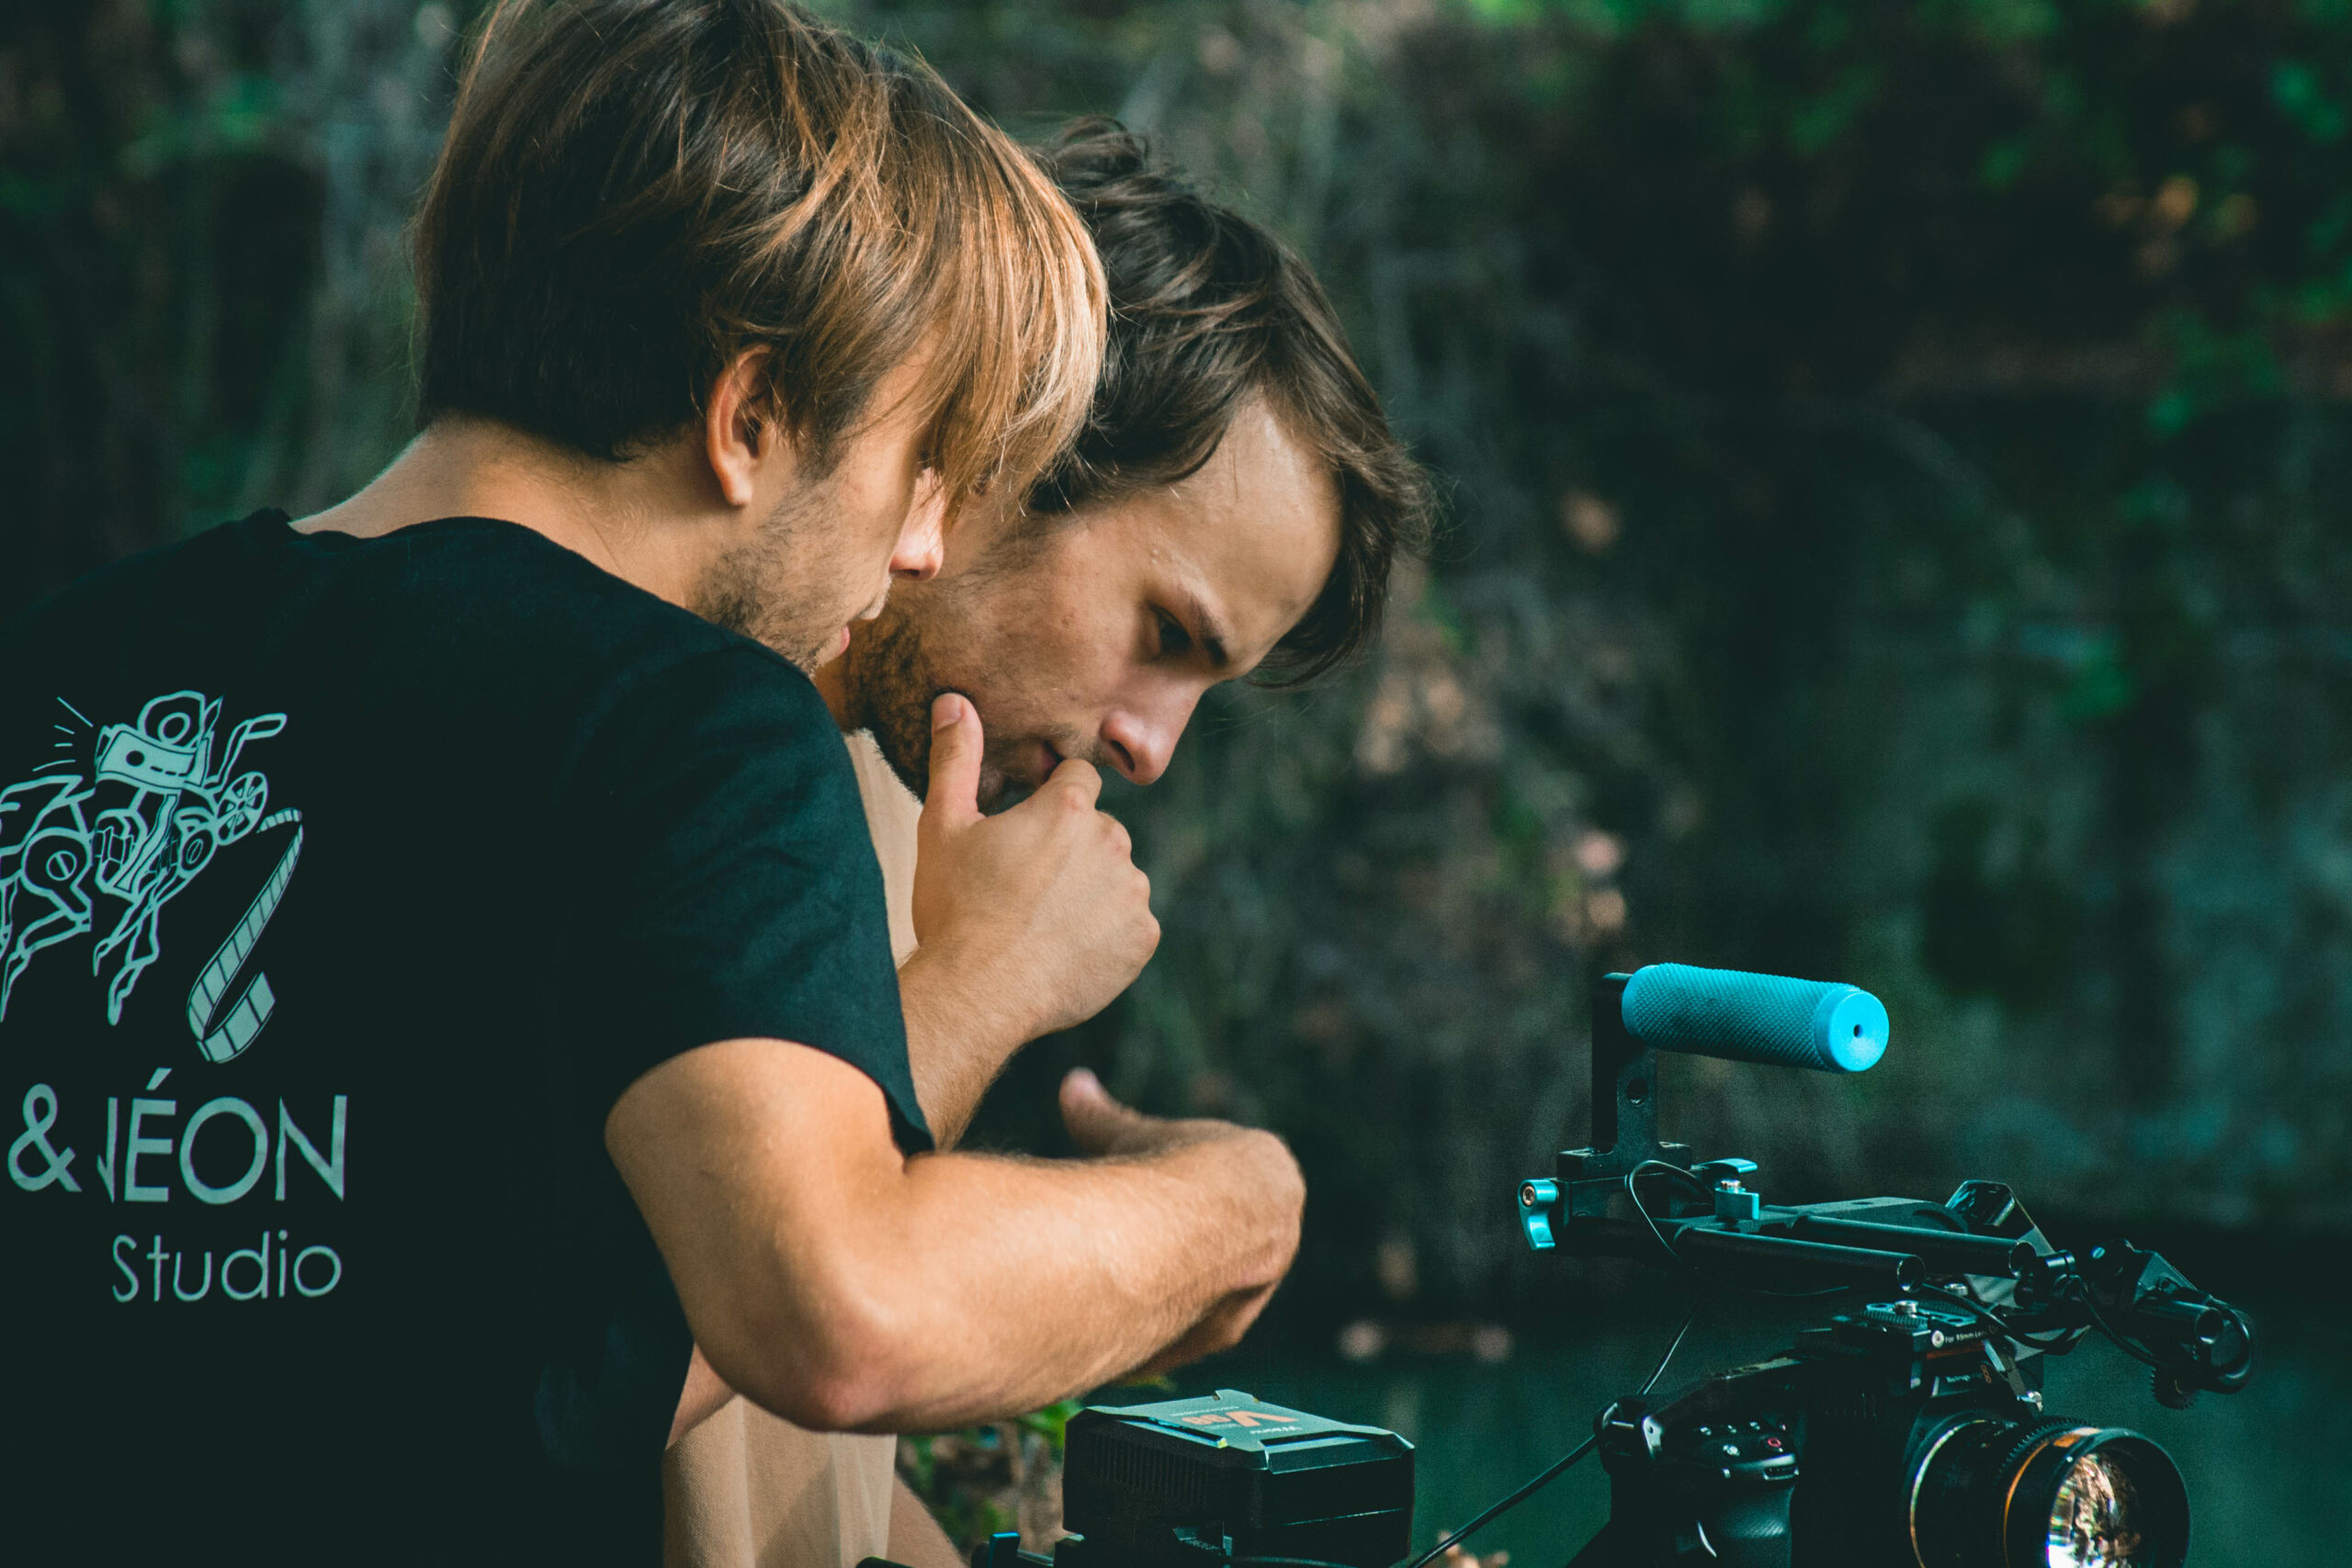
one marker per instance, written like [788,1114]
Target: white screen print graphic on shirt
[134,818]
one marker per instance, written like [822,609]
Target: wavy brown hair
[635,192]
[1208,309]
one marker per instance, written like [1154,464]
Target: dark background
[1896,471]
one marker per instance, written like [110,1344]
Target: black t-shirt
[345,886]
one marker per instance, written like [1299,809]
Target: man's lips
[1015,769]
[1024,764]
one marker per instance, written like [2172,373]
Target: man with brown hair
[1233,505]
[453,914]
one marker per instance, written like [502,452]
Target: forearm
[1020,1283]
[845,1286]
[958,1041]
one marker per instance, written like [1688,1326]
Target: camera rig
[1910,1430]
[1905,1430]
[1980,1243]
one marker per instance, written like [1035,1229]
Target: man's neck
[832,685]
[657,521]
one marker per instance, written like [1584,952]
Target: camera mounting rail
[1740,1017]
[1706,1217]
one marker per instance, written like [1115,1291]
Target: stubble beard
[764,588]
[889,693]
[890,682]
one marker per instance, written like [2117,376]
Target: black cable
[1569,1459]
[2000,1325]
[2080,1293]
[1985,1315]
[1639,1208]
[1975,1308]
[1458,1537]
[1675,1344]
[2123,1342]
[1693,1270]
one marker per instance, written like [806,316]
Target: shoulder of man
[448,608]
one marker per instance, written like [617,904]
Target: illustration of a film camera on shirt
[169,808]
[184,808]
[1905,1429]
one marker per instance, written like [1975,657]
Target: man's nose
[922,543]
[1140,741]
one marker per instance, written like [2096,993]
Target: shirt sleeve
[727,886]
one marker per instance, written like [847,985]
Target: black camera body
[1889,1435]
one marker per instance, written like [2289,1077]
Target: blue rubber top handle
[1740,1017]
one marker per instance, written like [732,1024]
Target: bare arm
[844,1287]
[952,1050]
[1028,921]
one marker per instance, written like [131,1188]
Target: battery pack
[1197,1482]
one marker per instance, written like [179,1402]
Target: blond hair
[634,193]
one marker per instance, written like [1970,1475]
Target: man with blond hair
[440,953]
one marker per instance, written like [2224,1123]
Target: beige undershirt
[749,1490]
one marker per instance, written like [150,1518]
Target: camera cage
[1990,1259]
[1962,1297]
[1921,1412]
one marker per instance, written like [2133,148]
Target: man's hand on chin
[1029,922]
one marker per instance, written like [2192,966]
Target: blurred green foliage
[1898,467]
[1006,1476]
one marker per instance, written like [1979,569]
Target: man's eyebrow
[1208,631]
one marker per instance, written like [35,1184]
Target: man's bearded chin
[759,590]
[889,686]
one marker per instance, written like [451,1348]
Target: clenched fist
[1030,920]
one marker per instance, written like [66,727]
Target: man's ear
[742,432]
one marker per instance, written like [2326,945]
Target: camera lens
[1987,1491]
[2095,1515]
